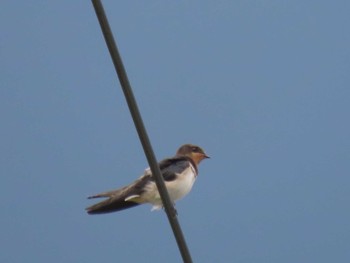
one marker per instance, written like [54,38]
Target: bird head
[194,152]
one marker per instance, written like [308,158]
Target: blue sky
[262,86]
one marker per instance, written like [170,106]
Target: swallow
[179,173]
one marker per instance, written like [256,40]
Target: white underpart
[177,188]
[131,197]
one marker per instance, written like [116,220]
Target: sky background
[262,86]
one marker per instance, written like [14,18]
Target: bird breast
[182,185]
[177,188]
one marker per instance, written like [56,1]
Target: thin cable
[129,96]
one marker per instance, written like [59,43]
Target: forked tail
[112,204]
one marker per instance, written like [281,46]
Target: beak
[206,156]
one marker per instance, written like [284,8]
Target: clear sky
[262,86]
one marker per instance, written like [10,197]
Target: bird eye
[195,149]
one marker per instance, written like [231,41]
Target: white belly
[182,185]
[177,189]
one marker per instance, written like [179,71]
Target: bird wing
[173,166]
[119,199]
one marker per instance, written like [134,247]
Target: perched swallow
[179,173]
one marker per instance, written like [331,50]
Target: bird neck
[194,164]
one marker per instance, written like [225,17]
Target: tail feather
[97,196]
[112,204]
[110,194]
[120,199]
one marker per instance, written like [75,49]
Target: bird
[179,174]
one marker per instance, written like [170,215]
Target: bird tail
[113,204]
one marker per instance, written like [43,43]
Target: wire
[136,116]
